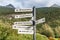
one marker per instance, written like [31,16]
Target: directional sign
[23,23]
[40,21]
[24,10]
[23,15]
[25,31]
[22,27]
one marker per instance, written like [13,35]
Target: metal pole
[34,23]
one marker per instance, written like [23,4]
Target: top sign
[24,10]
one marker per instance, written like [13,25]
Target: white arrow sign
[22,27]
[40,21]
[24,10]
[25,31]
[24,15]
[23,23]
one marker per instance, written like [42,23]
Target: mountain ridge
[55,5]
[8,6]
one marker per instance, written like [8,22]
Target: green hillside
[52,16]
[50,28]
[5,10]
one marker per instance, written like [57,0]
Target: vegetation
[50,28]
[5,10]
[7,33]
[52,23]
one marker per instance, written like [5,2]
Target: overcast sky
[29,3]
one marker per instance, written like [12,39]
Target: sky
[29,3]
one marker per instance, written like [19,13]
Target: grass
[7,33]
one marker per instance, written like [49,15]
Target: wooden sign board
[25,31]
[40,20]
[23,23]
[22,27]
[24,10]
[24,15]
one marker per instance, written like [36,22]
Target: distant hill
[55,5]
[10,6]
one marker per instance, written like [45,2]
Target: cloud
[13,2]
[51,2]
[5,2]
[29,3]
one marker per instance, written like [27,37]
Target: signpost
[21,26]
[34,23]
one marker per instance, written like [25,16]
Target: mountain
[10,6]
[55,5]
